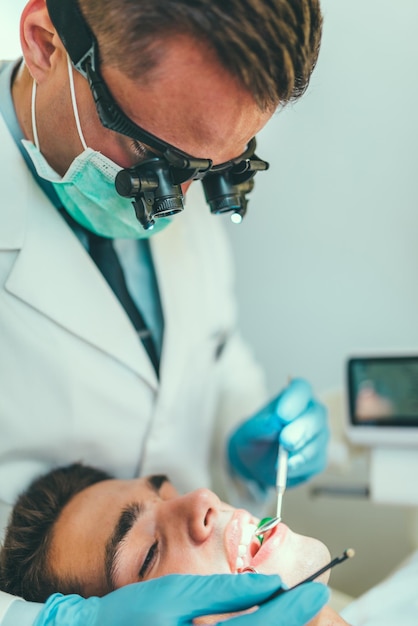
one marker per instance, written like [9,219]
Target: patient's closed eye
[149,560]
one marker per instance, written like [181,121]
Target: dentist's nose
[196,513]
[186,186]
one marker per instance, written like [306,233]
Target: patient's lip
[272,542]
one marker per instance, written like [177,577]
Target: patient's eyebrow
[126,521]
[156,481]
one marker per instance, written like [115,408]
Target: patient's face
[122,531]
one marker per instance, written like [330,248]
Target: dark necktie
[103,254]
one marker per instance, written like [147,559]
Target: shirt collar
[7,110]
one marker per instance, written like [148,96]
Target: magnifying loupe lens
[163,207]
[220,194]
[225,204]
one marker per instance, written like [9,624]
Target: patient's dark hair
[24,566]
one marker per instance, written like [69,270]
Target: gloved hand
[296,420]
[177,599]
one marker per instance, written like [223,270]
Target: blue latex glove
[298,422]
[176,600]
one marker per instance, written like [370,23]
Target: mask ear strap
[74,103]
[34,127]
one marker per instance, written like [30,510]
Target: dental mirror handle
[281,478]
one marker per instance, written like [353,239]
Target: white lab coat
[75,381]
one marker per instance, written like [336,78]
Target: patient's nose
[195,514]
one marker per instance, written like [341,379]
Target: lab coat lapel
[54,274]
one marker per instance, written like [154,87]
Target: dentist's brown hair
[269,46]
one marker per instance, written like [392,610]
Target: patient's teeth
[243,547]
[247,533]
[242,550]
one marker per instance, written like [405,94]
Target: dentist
[119,341]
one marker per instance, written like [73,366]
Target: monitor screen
[382,394]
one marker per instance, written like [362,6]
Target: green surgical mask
[87,190]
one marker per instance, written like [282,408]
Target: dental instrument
[347,554]
[269,523]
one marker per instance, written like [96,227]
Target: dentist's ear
[39,40]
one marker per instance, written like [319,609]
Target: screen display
[383,391]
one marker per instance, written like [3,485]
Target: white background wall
[327,256]
[328,260]
[9,28]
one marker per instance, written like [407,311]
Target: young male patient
[78,530]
